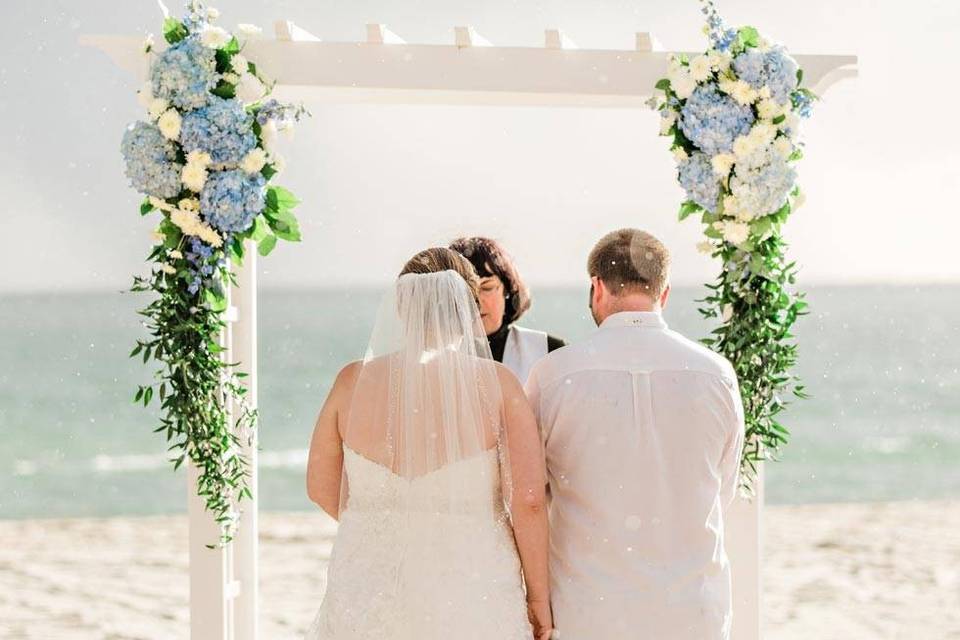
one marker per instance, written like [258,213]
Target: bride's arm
[325,460]
[528,504]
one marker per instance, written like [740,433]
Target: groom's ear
[664,296]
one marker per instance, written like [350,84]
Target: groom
[643,431]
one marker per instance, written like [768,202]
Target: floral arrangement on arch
[204,158]
[733,114]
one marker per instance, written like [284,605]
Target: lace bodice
[409,562]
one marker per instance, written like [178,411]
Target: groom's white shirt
[643,431]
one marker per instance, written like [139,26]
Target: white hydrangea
[169,124]
[683,85]
[249,89]
[254,161]
[722,163]
[214,37]
[784,146]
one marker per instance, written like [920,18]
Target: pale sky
[881,172]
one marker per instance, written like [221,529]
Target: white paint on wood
[646,41]
[379,34]
[289,32]
[557,39]
[468,37]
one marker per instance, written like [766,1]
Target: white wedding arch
[385,69]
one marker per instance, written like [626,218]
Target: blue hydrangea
[223,129]
[773,68]
[762,181]
[802,104]
[184,74]
[712,120]
[723,40]
[279,112]
[150,160]
[195,18]
[230,200]
[699,181]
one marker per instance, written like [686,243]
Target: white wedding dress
[425,550]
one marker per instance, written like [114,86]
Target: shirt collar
[642,319]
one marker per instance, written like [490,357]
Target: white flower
[763,133]
[157,235]
[727,312]
[743,146]
[239,63]
[212,13]
[783,146]
[168,268]
[148,43]
[157,107]
[194,176]
[268,134]
[163,205]
[145,95]
[720,61]
[679,154]
[768,109]
[732,207]
[743,93]
[189,204]
[683,85]
[700,68]
[722,163]
[209,235]
[169,124]
[186,221]
[254,161]
[706,247]
[667,121]
[201,158]
[214,37]
[249,30]
[231,77]
[249,89]
[176,255]
[736,232]
[765,92]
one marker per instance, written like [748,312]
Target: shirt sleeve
[733,450]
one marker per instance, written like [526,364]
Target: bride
[429,456]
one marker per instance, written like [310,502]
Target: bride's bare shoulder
[508,380]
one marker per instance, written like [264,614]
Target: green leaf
[173,30]
[799,76]
[265,246]
[216,301]
[687,208]
[779,119]
[268,171]
[225,90]
[260,229]
[279,198]
[663,84]
[146,207]
[749,36]
[232,48]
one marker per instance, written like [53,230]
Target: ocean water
[881,362]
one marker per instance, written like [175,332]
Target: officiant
[504,298]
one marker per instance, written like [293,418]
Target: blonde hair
[631,261]
[437,259]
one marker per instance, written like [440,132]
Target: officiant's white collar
[644,319]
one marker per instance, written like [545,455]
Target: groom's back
[642,429]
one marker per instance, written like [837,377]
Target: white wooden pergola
[470,71]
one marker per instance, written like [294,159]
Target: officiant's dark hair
[489,258]
[630,261]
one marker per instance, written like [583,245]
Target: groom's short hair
[630,261]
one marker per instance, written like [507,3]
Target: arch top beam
[469,71]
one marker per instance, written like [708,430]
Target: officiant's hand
[541,618]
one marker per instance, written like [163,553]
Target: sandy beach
[881,570]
